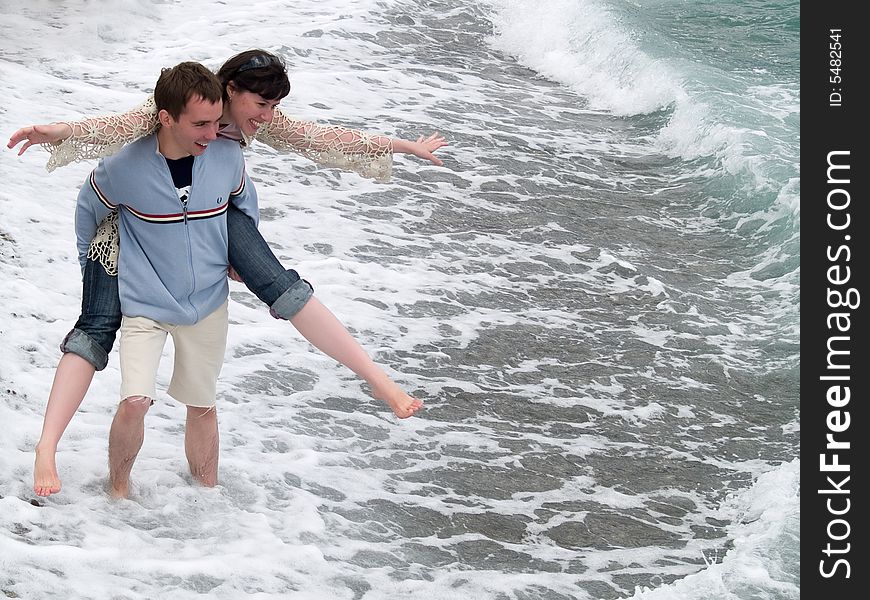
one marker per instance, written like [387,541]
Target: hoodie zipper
[190,245]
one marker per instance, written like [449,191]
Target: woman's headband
[258,62]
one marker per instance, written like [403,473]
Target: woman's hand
[422,148]
[39,134]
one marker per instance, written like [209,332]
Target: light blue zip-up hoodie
[172,264]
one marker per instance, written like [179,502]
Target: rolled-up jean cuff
[80,343]
[291,302]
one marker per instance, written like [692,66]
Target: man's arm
[245,198]
[91,208]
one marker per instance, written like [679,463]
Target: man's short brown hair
[177,85]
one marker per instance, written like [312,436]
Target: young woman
[254,83]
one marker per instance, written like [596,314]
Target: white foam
[582,45]
[766,553]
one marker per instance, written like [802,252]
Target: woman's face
[249,110]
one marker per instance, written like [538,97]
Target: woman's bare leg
[259,268]
[71,381]
[320,327]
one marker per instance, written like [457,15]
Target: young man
[171,191]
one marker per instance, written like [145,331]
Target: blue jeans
[281,289]
[93,335]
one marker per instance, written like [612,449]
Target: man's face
[197,125]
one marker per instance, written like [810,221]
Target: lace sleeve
[331,146]
[102,136]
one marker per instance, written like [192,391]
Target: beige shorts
[199,356]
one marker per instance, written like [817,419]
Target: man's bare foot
[118,490]
[45,479]
[402,405]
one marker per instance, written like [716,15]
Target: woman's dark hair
[256,71]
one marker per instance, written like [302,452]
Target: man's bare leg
[71,381]
[323,329]
[125,441]
[201,444]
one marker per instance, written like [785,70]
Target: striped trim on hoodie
[176,217]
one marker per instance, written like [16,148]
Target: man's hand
[231,273]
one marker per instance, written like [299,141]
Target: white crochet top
[368,155]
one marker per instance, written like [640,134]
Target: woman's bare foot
[402,405]
[45,479]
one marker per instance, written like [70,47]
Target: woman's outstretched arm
[366,154]
[89,138]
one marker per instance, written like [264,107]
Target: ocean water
[597,298]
